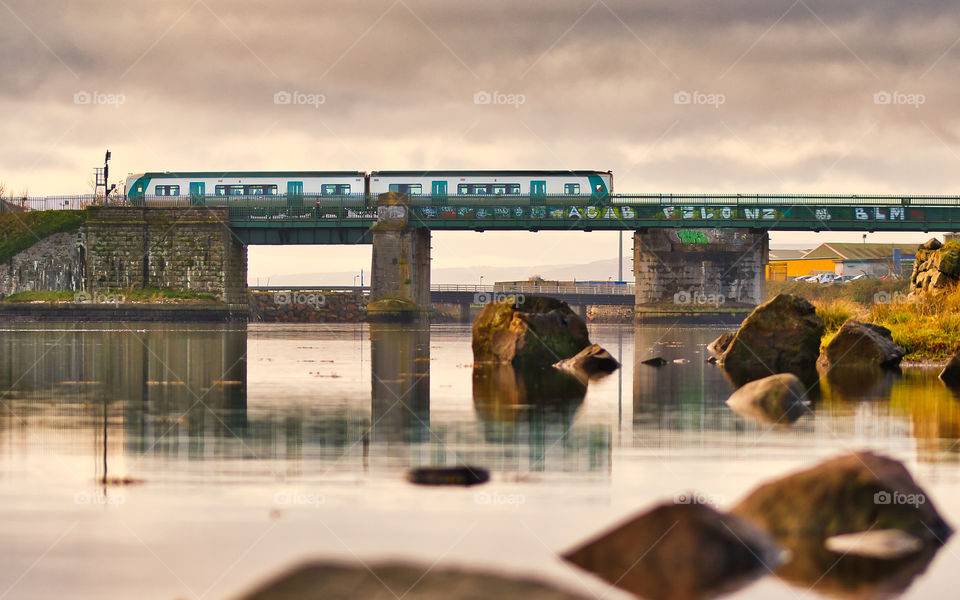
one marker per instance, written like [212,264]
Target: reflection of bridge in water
[179,394]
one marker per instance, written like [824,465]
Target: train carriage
[223,188]
[495,185]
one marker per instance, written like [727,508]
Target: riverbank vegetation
[19,231]
[149,295]
[925,325]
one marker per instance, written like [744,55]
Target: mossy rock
[533,331]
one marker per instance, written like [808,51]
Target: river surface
[234,452]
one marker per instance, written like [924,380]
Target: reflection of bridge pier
[400,367]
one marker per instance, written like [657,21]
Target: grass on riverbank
[137,296]
[926,326]
[19,231]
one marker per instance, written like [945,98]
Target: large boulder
[951,372]
[592,361]
[335,581]
[679,551]
[534,331]
[780,336]
[936,267]
[861,345]
[849,494]
[774,399]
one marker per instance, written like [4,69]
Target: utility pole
[620,258]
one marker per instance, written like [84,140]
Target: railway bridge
[692,253]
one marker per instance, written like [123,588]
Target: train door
[294,193]
[439,191]
[197,193]
[538,189]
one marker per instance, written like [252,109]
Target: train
[220,188]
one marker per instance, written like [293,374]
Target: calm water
[252,448]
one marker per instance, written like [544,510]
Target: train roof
[469,172]
[231,174]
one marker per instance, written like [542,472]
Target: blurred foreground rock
[464,475]
[535,331]
[775,399]
[852,494]
[849,494]
[332,581]
[679,552]
[780,336]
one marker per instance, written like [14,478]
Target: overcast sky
[787,96]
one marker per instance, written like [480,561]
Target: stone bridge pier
[718,272]
[400,273]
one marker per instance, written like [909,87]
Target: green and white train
[212,188]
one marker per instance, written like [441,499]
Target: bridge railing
[575,288]
[626,289]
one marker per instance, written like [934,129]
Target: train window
[168,190]
[407,188]
[571,188]
[498,189]
[258,190]
[335,189]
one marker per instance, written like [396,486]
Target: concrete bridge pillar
[702,271]
[400,274]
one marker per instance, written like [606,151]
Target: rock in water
[885,544]
[591,361]
[852,493]
[951,373]
[656,361]
[448,476]
[679,551]
[780,336]
[718,346]
[333,581]
[536,331]
[774,399]
[861,345]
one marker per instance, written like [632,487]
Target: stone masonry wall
[56,263]
[700,266]
[183,249]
